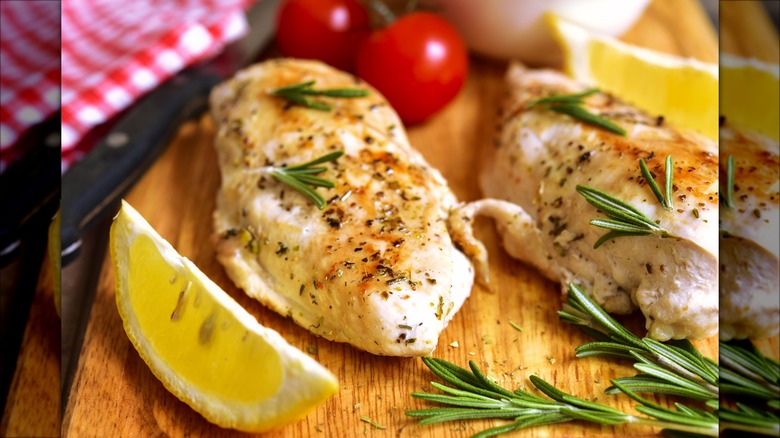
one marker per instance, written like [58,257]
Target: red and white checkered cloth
[30,73]
[113,51]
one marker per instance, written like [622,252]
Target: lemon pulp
[191,332]
[750,95]
[203,346]
[684,91]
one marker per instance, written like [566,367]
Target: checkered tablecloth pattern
[114,51]
[30,72]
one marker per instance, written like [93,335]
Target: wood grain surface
[746,30]
[33,404]
[115,394]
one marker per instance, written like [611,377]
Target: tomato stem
[383,12]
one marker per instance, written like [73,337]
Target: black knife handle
[30,187]
[98,181]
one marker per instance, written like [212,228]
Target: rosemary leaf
[737,384]
[653,185]
[625,219]
[583,115]
[295,87]
[730,182]
[615,208]
[313,180]
[305,190]
[614,349]
[597,418]
[684,359]
[467,414]
[296,93]
[564,98]
[298,98]
[649,384]
[498,430]
[744,356]
[571,105]
[615,234]
[332,156]
[307,171]
[300,177]
[486,382]
[622,226]
[742,421]
[665,200]
[669,170]
[337,92]
[457,373]
[459,392]
[458,400]
[602,317]
[575,401]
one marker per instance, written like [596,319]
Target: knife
[30,187]
[97,182]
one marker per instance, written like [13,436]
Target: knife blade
[97,182]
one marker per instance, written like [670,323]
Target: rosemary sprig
[665,200]
[624,219]
[676,368]
[668,369]
[297,93]
[747,372]
[301,177]
[473,396]
[752,383]
[571,105]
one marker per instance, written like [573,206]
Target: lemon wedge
[750,94]
[202,345]
[683,90]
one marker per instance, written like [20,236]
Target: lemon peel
[202,345]
[683,90]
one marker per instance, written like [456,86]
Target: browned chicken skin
[749,264]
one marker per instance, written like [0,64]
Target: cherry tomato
[328,30]
[419,63]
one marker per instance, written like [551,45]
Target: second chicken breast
[539,159]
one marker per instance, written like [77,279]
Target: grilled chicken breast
[539,158]
[749,263]
[376,267]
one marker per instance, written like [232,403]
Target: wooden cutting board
[115,394]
